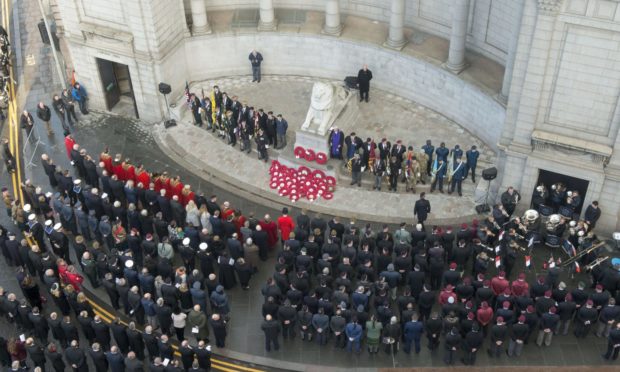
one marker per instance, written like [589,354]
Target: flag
[498,261]
[528,261]
[187,92]
[530,243]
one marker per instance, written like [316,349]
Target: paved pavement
[385,116]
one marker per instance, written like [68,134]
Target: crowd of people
[167,255]
[399,163]
[237,122]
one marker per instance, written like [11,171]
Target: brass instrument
[581,254]
[596,262]
[350,165]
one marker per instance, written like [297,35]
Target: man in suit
[458,175]
[115,359]
[363,81]
[472,160]
[422,208]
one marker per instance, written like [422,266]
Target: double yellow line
[14,129]
[217,364]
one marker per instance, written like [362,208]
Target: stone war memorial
[519,95]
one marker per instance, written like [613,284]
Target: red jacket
[520,287]
[444,295]
[272,232]
[106,159]
[285,225]
[144,178]
[484,315]
[499,285]
[69,142]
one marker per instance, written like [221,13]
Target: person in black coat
[115,359]
[472,343]
[165,349]
[187,354]
[422,208]
[41,328]
[150,341]
[51,352]
[69,329]
[203,356]
[98,357]
[613,344]
[219,329]
[102,332]
[363,82]
[76,357]
[120,335]
[35,353]
[50,170]
[136,344]
[45,114]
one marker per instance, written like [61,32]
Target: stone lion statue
[321,112]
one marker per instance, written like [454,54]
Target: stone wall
[490,23]
[307,55]
[566,87]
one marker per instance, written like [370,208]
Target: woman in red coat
[285,224]
[68,275]
[69,142]
[271,229]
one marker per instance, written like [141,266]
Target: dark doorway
[117,87]
[549,178]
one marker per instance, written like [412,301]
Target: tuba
[531,219]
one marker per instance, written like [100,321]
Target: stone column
[512,53]
[267,16]
[332,18]
[396,36]
[200,24]
[456,56]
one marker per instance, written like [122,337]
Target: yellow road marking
[109,317]
[12,114]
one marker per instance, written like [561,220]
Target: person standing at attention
[363,82]
[255,59]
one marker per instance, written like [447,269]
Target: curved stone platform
[386,115]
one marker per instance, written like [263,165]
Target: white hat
[104,195]
[572,223]
[27,208]
[129,264]
[94,190]
[48,194]
[569,193]
[539,188]
[48,223]
[451,300]
[117,204]
[77,182]
[418,227]
[203,246]
[58,226]
[31,217]
[186,241]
